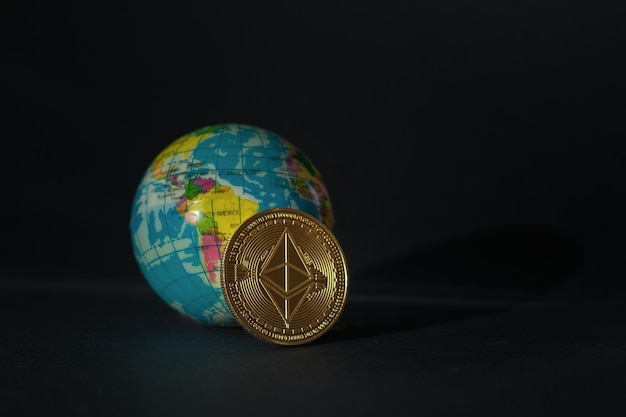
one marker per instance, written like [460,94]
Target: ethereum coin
[285,277]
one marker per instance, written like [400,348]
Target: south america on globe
[197,192]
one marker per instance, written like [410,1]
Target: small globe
[195,194]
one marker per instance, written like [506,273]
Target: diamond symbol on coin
[286,277]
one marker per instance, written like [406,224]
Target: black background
[465,145]
[430,121]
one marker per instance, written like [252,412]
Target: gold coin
[285,277]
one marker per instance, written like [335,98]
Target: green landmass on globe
[197,192]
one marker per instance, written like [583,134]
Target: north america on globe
[197,192]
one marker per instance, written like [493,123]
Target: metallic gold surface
[285,276]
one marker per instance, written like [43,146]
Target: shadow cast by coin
[483,273]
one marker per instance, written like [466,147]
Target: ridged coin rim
[272,214]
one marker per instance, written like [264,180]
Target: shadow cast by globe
[480,274]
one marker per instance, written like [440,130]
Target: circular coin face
[285,276]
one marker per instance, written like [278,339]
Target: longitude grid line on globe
[267,168]
[196,279]
[158,257]
[218,295]
[244,175]
[177,280]
[200,277]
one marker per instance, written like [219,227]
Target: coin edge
[244,324]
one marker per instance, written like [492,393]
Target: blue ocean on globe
[197,192]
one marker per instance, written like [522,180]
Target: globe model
[195,194]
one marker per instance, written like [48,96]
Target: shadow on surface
[474,275]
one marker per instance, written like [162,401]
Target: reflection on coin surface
[285,276]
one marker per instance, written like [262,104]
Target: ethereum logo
[286,277]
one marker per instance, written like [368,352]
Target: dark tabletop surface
[101,349]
